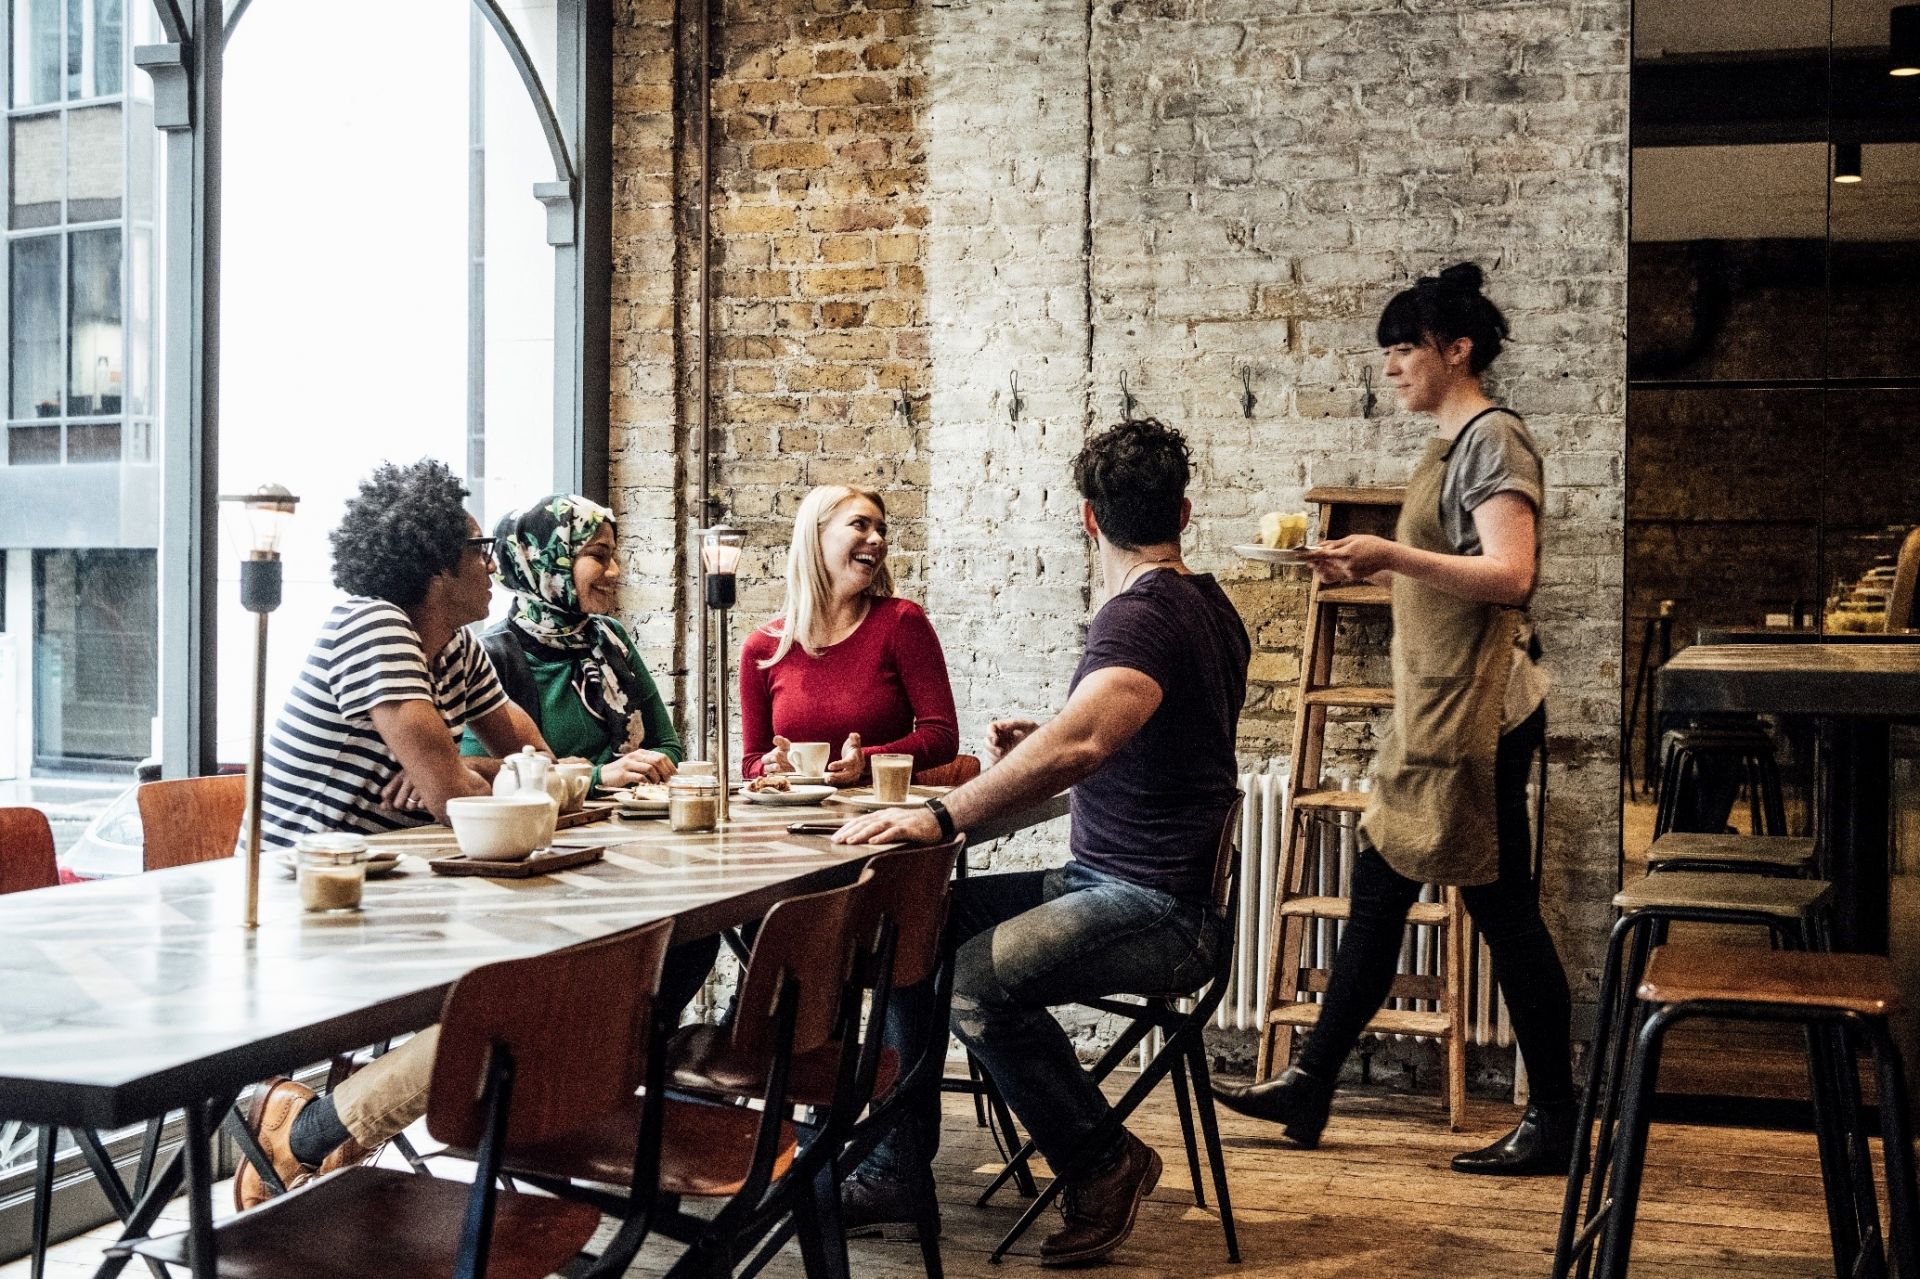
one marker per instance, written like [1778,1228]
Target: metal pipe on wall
[703,112]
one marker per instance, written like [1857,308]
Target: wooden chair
[1835,998]
[27,862]
[1182,1055]
[533,1054]
[26,851]
[905,918]
[191,819]
[960,770]
[793,1005]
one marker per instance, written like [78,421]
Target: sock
[317,1131]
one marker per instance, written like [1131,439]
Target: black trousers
[1507,913]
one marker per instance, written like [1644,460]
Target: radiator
[1262,833]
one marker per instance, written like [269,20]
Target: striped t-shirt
[325,762]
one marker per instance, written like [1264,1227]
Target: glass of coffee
[892,774]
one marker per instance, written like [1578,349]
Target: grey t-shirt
[1495,455]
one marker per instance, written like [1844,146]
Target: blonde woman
[846,662]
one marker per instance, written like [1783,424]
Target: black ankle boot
[1296,1099]
[1540,1145]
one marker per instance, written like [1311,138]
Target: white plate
[1273,554]
[378,862]
[793,795]
[867,799]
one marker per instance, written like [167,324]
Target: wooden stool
[1743,854]
[1832,996]
[1687,749]
[1794,913]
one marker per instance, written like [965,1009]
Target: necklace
[1164,559]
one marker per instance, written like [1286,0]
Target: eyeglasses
[482,544]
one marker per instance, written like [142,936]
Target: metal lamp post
[263,515]
[720,567]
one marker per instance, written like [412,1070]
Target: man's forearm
[1037,769]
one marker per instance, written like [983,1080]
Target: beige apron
[1432,811]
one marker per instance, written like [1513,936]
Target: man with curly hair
[366,742]
[1146,741]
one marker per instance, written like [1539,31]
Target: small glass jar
[332,872]
[693,802]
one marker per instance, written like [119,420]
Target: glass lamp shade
[720,556]
[256,521]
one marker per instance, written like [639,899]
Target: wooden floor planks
[1375,1200]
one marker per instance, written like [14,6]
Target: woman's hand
[776,760]
[1353,559]
[636,766]
[850,767]
[1005,734]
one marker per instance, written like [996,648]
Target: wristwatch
[941,815]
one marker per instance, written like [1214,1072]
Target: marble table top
[121,998]
[1877,680]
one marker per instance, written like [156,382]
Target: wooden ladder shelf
[1292,975]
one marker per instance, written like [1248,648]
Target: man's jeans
[1026,942]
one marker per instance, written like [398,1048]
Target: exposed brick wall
[939,196]
[819,312]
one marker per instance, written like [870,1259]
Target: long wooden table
[121,1000]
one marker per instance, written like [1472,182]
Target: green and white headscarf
[533,557]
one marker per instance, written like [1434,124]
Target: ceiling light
[1846,162]
[1903,34]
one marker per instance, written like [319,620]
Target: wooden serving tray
[539,863]
[594,810]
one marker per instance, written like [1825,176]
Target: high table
[1854,692]
[122,1000]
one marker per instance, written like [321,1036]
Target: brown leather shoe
[270,1116]
[1100,1209]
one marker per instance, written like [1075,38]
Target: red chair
[962,769]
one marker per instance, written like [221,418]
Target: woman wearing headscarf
[561,655]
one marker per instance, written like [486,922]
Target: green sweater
[572,731]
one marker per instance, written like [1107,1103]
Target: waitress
[1449,804]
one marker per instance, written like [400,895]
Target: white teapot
[530,772]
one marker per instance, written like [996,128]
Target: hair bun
[1464,275]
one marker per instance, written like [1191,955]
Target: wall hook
[1014,403]
[904,407]
[1367,401]
[1246,390]
[1126,399]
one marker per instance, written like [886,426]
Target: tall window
[386,284]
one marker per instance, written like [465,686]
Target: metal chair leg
[1185,1106]
[1896,1137]
[43,1197]
[1210,1129]
[1616,1240]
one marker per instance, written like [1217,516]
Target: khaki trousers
[377,1104]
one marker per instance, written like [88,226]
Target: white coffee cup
[809,759]
[892,775]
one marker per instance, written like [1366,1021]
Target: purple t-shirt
[1151,814]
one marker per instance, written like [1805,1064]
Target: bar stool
[1794,913]
[1742,854]
[1833,997]
[1687,750]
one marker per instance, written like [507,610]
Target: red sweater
[887,682]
